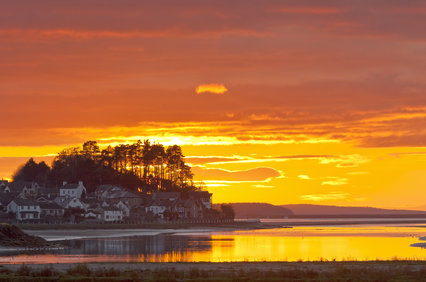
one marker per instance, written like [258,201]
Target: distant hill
[259,210]
[264,210]
[305,209]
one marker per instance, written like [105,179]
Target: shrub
[79,269]
[23,270]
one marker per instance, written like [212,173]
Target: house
[158,207]
[73,190]
[48,194]
[50,209]
[203,196]
[171,196]
[24,209]
[112,215]
[70,203]
[123,207]
[4,201]
[93,215]
[113,192]
[3,185]
[193,208]
[91,203]
[22,189]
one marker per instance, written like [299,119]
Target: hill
[305,209]
[259,210]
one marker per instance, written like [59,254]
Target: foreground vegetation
[332,271]
[12,236]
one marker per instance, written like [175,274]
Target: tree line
[142,166]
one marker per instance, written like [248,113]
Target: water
[312,243]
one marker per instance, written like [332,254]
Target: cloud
[303,176]
[255,174]
[212,159]
[213,88]
[325,196]
[263,186]
[335,181]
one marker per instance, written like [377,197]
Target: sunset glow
[282,102]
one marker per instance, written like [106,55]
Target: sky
[285,102]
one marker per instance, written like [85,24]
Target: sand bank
[59,235]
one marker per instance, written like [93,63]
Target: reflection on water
[296,244]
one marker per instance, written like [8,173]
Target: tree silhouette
[141,166]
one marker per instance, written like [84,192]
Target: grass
[397,271]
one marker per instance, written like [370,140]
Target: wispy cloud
[304,177]
[335,181]
[255,174]
[214,88]
[263,186]
[325,196]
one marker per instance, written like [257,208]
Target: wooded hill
[142,166]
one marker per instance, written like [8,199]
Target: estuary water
[303,243]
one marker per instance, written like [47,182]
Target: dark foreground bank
[243,271]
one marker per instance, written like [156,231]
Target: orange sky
[278,101]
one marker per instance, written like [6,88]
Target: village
[28,202]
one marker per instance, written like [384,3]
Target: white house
[51,209]
[112,215]
[203,196]
[158,208]
[73,190]
[24,209]
[68,202]
[123,207]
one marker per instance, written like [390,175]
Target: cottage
[193,208]
[157,208]
[123,207]
[203,196]
[171,196]
[113,192]
[73,190]
[24,209]
[4,201]
[22,189]
[112,215]
[48,193]
[51,209]
[70,203]
[3,185]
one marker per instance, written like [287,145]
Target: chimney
[64,183]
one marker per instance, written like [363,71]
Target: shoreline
[236,225]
